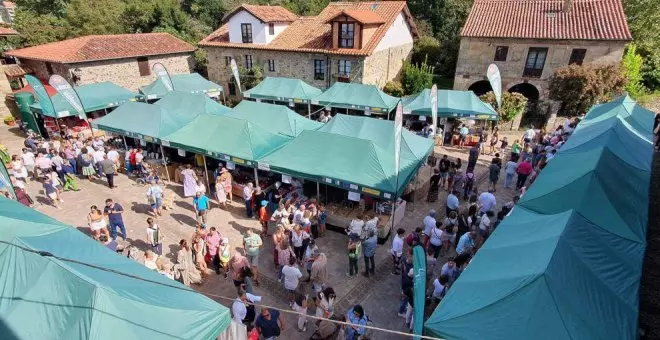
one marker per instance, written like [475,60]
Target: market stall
[355,154]
[368,99]
[275,118]
[189,83]
[284,90]
[97,99]
[452,106]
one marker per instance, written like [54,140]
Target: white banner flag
[493,75]
[434,108]
[163,75]
[64,88]
[234,70]
[398,126]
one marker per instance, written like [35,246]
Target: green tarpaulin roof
[460,104]
[568,261]
[356,97]
[283,89]
[275,118]
[97,96]
[221,136]
[192,83]
[352,151]
[153,121]
[46,298]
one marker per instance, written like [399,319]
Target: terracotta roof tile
[265,13]
[313,34]
[104,47]
[5,31]
[16,70]
[363,17]
[545,19]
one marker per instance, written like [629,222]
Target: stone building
[7,12]
[124,59]
[529,39]
[362,42]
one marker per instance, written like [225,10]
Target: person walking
[397,250]
[155,197]
[189,181]
[319,275]
[220,193]
[212,246]
[493,175]
[98,156]
[108,168]
[199,251]
[29,162]
[524,170]
[252,244]
[114,212]
[292,277]
[185,269]
[247,196]
[510,170]
[201,206]
[443,169]
[369,251]
[154,236]
[263,217]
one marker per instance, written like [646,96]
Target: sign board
[181,152]
[286,179]
[354,196]
[263,166]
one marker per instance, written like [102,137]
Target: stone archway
[534,116]
[480,87]
[526,89]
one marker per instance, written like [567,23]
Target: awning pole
[206,174]
[318,192]
[125,145]
[224,101]
[162,154]
[256,176]
[309,110]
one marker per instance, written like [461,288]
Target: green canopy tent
[568,260]
[46,297]
[627,110]
[94,97]
[275,118]
[185,103]
[452,104]
[355,153]
[227,138]
[191,83]
[283,90]
[368,98]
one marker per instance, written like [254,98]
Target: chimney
[568,5]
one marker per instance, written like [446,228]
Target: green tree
[426,49]
[643,18]
[86,17]
[394,88]
[52,7]
[513,104]
[35,29]
[581,87]
[305,7]
[632,66]
[250,78]
[209,12]
[416,77]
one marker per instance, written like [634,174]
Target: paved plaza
[379,294]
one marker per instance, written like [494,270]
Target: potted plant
[9,120]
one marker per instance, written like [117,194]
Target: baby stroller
[145,175]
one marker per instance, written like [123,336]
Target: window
[271,28]
[232,88]
[49,68]
[344,68]
[248,61]
[501,53]
[227,60]
[319,69]
[271,65]
[246,33]
[577,56]
[346,35]
[535,62]
[143,66]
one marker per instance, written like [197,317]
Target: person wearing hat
[252,244]
[263,217]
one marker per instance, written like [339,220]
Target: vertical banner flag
[5,182]
[434,107]
[163,75]
[65,89]
[398,126]
[45,103]
[419,289]
[234,70]
[493,75]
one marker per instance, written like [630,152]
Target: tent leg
[125,145]
[224,101]
[309,110]
[318,192]
[162,154]
[392,229]
[256,176]
[206,175]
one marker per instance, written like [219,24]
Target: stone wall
[385,65]
[123,72]
[475,54]
[287,64]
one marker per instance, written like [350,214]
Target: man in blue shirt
[201,204]
[452,202]
[463,131]
[113,211]
[369,251]
[466,243]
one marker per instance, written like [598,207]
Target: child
[505,143]
[323,216]
[300,306]
[154,236]
[224,253]
[263,218]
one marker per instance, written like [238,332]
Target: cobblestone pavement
[379,294]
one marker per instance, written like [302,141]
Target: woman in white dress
[185,270]
[20,172]
[97,223]
[220,193]
[189,181]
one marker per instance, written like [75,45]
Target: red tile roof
[104,47]
[5,31]
[363,17]
[314,34]
[265,13]
[544,19]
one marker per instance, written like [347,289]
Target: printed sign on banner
[230,166]
[263,166]
[65,89]
[181,152]
[286,179]
[234,70]
[163,75]
[493,75]
[354,196]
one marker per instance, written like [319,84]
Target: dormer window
[246,33]
[346,35]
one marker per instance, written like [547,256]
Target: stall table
[341,217]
